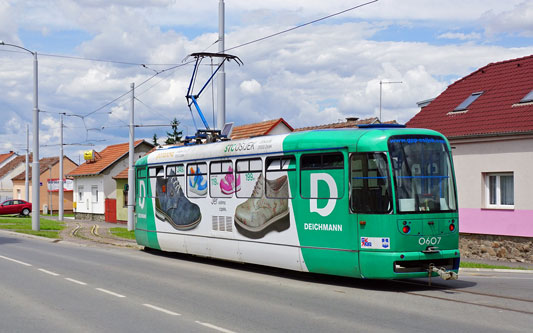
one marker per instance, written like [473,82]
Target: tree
[154,140]
[174,136]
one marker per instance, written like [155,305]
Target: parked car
[16,206]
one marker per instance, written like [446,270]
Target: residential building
[350,122]
[48,180]
[95,190]
[7,157]
[268,127]
[488,118]
[11,166]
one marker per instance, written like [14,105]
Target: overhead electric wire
[300,26]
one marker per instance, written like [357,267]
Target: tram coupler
[442,272]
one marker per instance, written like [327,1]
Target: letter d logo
[313,205]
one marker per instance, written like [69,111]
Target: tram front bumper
[401,265]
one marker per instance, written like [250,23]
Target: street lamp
[35,218]
[381,83]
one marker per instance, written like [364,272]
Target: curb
[497,270]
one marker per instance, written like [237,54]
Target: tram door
[371,200]
[328,229]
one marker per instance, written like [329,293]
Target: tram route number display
[429,240]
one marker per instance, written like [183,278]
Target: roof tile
[104,159]
[497,111]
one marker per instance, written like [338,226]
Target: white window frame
[498,176]
[94,194]
[80,193]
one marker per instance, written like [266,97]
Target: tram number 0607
[429,240]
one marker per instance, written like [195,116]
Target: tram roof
[354,139]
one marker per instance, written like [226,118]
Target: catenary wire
[300,26]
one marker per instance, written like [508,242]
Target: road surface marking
[220,329]
[162,310]
[17,261]
[76,281]
[109,292]
[48,272]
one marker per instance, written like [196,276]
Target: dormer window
[528,98]
[469,100]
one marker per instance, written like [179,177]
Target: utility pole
[221,87]
[27,174]
[35,218]
[60,217]
[131,170]
[381,83]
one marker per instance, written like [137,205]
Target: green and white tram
[374,202]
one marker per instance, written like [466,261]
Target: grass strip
[122,233]
[481,265]
[48,228]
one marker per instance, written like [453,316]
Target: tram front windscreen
[422,173]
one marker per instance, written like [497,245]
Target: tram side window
[141,175]
[197,180]
[176,177]
[153,174]
[370,189]
[222,179]
[322,176]
[249,178]
[278,171]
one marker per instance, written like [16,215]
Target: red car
[15,206]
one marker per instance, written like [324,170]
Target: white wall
[6,184]
[473,159]
[86,205]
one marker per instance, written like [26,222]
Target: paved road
[65,287]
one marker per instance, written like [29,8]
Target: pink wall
[496,222]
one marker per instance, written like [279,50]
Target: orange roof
[257,129]
[104,159]
[5,156]
[350,122]
[44,165]
[13,164]
[124,173]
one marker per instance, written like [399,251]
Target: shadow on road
[408,285]
[8,240]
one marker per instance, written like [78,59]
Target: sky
[90,51]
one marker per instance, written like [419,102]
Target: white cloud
[518,20]
[460,36]
[251,87]
[310,76]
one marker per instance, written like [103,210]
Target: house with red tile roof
[48,177]
[12,166]
[95,190]
[5,158]
[488,118]
[268,127]
[351,122]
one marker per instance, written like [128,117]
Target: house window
[94,191]
[19,196]
[80,193]
[528,98]
[469,100]
[499,190]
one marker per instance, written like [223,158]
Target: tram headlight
[406,229]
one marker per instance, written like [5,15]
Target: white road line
[109,292]
[76,281]
[48,272]
[17,261]
[162,310]
[220,329]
